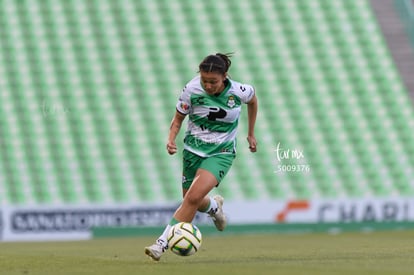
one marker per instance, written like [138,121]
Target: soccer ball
[184,239]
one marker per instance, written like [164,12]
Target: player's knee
[193,199]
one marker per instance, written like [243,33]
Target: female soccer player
[213,102]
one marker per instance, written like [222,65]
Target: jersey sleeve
[246,92]
[184,103]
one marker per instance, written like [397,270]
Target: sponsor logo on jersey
[184,106]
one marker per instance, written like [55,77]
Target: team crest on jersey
[231,102]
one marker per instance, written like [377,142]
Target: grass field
[315,253]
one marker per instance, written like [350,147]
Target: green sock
[173,221]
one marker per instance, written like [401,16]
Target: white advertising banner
[322,211]
[56,222]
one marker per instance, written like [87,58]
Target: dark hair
[218,63]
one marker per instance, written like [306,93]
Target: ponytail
[219,63]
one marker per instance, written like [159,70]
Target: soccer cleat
[155,251]
[219,219]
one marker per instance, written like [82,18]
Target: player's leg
[202,184]
[191,162]
[208,204]
[208,173]
[218,165]
[156,250]
[214,207]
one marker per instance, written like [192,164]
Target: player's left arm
[252,107]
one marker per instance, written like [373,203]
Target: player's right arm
[183,108]
[175,127]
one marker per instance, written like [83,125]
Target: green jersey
[213,119]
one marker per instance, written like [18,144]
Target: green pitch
[316,253]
